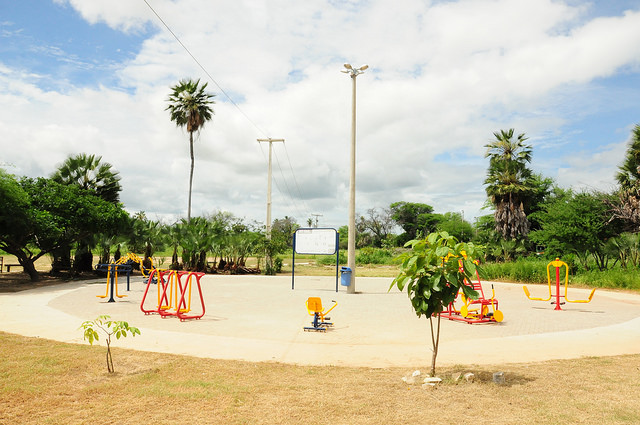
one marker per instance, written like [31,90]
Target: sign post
[315,241]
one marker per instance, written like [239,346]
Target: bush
[330,260]
[534,270]
[374,256]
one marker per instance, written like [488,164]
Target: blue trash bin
[345,276]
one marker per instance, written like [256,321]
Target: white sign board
[316,241]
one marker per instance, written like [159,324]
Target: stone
[469,377]
[432,380]
[498,378]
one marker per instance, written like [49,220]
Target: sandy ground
[260,318]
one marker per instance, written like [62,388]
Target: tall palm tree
[506,182]
[189,106]
[90,173]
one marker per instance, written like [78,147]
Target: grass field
[46,382]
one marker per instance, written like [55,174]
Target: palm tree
[89,173]
[627,205]
[629,172]
[189,106]
[506,182]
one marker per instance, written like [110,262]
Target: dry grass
[45,382]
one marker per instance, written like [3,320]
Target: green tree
[506,182]
[189,107]
[40,215]
[90,173]
[432,273]
[576,223]
[414,218]
[626,204]
[377,225]
[455,225]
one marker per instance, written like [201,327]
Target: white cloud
[443,77]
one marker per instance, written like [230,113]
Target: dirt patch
[20,281]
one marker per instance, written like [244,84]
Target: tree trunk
[30,268]
[190,174]
[435,341]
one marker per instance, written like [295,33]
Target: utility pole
[316,216]
[270,140]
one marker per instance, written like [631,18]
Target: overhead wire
[204,70]
[258,128]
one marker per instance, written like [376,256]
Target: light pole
[351,251]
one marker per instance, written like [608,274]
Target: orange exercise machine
[174,294]
[320,319]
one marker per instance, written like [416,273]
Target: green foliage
[534,270]
[432,273]
[628,175]
[108,327]
[434,270]
[370,255]
[375,229]
[523,270]
[89,173]
[415,219]
[44,215]
[330,260]
[575,223]
[454,224]
[616,278]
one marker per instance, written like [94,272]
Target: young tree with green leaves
[109,328]
[432,273]
[189,106]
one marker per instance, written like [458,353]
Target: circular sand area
[260,318]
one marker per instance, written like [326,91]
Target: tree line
[77,210]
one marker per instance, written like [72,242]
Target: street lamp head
[348,66]
[363,67]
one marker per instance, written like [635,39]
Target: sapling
[432,273]
[109,327]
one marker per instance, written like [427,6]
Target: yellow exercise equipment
[557,264]
[320,319]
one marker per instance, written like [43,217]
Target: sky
[93,76]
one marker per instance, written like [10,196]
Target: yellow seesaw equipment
[557,264]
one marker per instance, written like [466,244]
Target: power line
[204,70]
[239,109]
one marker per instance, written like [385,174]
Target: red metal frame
[165,301]
[483,315]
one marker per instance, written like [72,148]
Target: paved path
[259,318]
